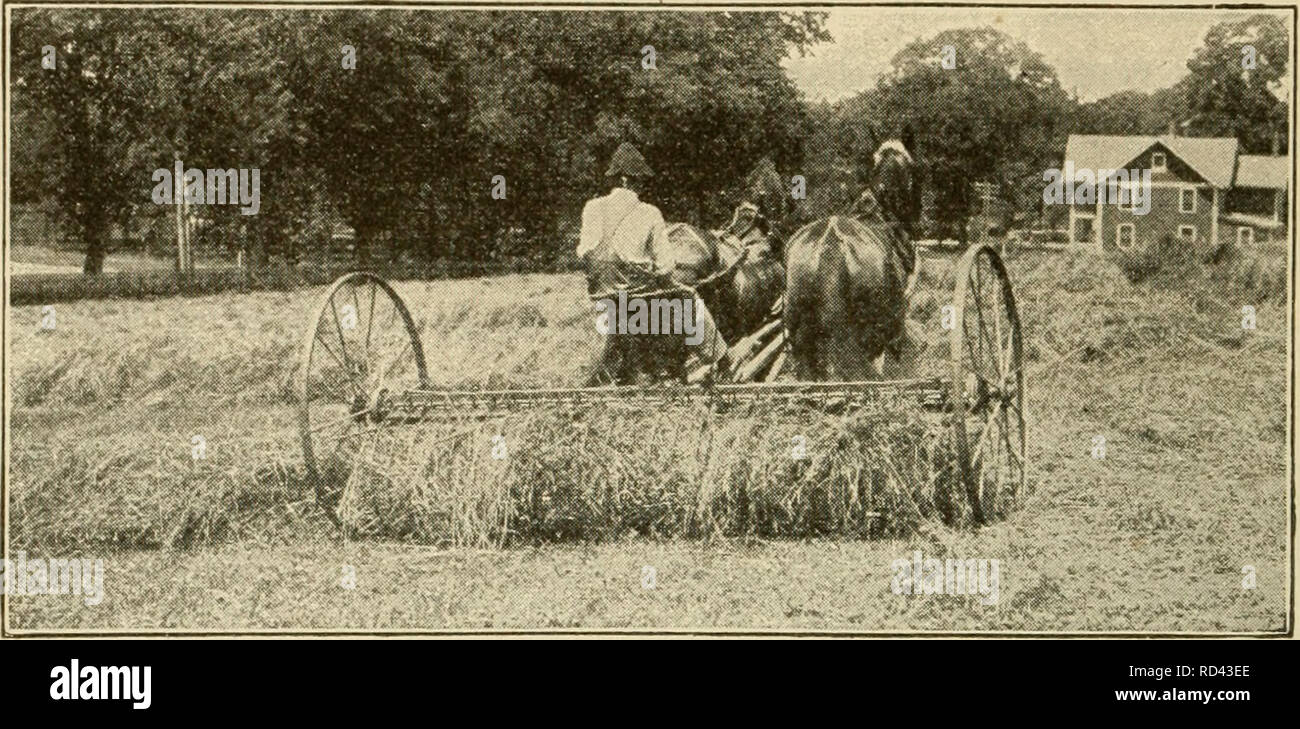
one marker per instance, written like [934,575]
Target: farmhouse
[1203,191]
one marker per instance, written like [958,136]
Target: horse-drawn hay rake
[362,371]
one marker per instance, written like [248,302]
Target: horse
[737,277]
[735,271]
[738,270]
[847,278]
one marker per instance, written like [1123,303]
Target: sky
[1097,52]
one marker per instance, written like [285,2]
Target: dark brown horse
[738,278]
[736,272]
[847,277]
[738,283]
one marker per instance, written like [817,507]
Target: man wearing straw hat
[625,245]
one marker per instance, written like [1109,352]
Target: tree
[1226,98]
[997,116]
[93,160]
[133,90]
[389,133]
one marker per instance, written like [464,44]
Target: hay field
[1152,538]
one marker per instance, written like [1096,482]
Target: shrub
[1165,256]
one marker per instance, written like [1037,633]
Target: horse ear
[908,138]
[873,137]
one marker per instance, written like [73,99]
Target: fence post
[178,182]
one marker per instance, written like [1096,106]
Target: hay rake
[362,369]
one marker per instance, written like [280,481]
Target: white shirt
[634,231]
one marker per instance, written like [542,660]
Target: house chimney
[1276,143]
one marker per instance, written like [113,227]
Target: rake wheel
[988,385]
[360,348]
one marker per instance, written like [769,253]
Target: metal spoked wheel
[360,347]
[988,385]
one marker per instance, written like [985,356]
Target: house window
[1245,235]
[1081,229]
[1124,236]
[1158,163]
[1187,232]
[1187,200]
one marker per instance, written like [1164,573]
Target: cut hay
[147,492]
[679,471]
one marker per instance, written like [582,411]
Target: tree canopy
[405,144]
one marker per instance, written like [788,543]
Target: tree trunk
[365,237]
[256,239]
[95,230]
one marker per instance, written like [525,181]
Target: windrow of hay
[142,488]
[682,470]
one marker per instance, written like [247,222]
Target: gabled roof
[1263,171]
[1104,152]
[1213,158]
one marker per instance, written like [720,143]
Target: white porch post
[1214,220]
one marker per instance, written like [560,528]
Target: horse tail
[804,309]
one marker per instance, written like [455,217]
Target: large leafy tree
[1225,98]
[403,146]
[387,133]
[440,104]
[997,116]
[94,124]
[558,92]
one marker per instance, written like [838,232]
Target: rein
[678,286]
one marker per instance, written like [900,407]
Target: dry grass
[139,487]
[1154,537]
[106,404]
[680,471]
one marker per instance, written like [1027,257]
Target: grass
[71,261]
[817,585]
[1154,537]
[41,276]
